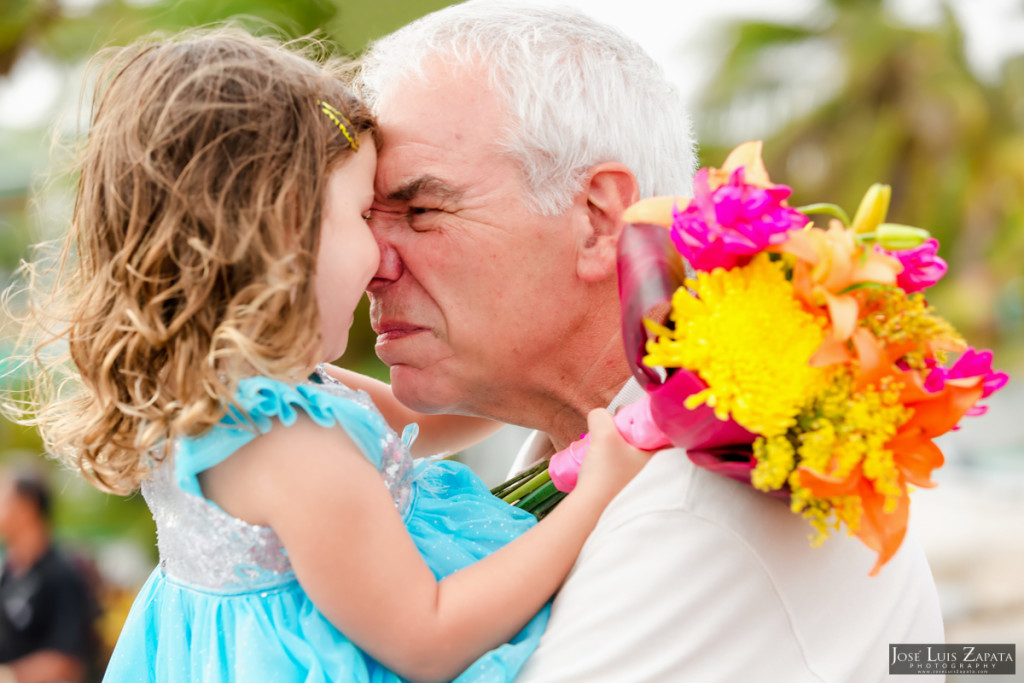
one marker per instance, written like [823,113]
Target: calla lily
[661,419]
[650,271]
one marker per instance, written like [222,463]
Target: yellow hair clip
[341,122]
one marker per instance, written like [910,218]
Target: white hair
[579,93]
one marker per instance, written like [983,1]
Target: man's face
[470,293]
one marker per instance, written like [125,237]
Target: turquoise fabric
[259,631]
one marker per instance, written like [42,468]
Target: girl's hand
[437,434]
[611,462]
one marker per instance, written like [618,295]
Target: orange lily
[915,455]
[828,263]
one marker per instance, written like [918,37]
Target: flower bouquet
[802,360]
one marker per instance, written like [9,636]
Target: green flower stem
[529,487]
[548,505]
[863,285]
[501,490]
[539,496]
[826,209]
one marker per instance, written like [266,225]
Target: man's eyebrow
[425,185]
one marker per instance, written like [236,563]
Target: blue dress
[224,603]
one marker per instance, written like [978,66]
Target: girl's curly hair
[190,257]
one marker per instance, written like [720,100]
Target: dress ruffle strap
[262,401]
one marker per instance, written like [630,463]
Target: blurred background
[925,95]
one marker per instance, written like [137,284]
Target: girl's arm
[356,561]
[438,433]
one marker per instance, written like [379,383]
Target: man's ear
[608,189]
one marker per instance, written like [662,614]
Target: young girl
[218,248]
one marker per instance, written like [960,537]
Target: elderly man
[513,140]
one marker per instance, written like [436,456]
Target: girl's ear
[608,189]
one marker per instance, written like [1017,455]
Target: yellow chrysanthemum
[745,334]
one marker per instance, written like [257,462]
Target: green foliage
[70,37]
[21,21]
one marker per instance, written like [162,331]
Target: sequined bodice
[202,546]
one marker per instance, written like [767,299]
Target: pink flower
[935,381]
[726,226]
[971,364]
[922,267]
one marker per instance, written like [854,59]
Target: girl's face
[348,255]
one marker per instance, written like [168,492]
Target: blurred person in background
[46,609]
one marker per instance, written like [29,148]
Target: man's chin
[415,389]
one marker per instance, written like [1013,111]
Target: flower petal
[943,410]
[655,210]
[830,352]
[873,362]
[748,155]
[916,456]
[881,531]
[843,310]
[824,486]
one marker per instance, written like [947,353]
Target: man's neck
[558,402]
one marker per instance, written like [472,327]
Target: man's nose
[390,267]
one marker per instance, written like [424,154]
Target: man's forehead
[411,167]
[440,137]
[415,160]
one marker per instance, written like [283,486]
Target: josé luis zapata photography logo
[952,658]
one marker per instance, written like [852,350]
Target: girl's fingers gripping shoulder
[610,457]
